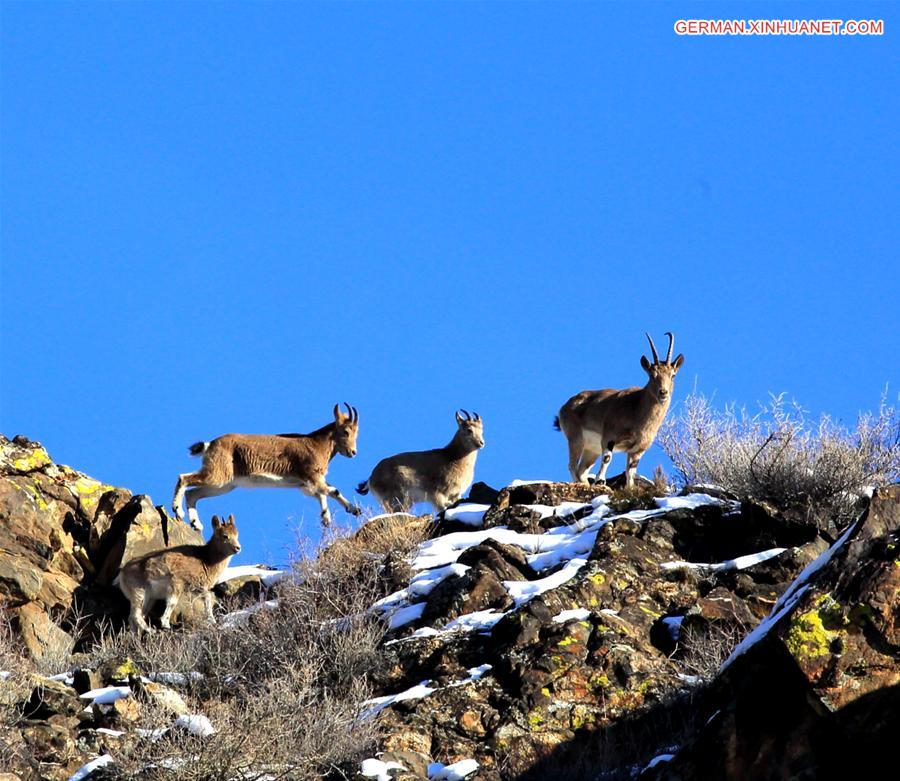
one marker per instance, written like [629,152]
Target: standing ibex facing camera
[600,422]
[438,476]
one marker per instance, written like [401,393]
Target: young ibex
[438,476]
[602,421]
[270,461]
[172,572]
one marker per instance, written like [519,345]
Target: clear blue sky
[227,217]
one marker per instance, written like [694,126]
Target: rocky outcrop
[63,537]
[588,659]
[550,631]
[814,692]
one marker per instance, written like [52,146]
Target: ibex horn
[671,345]
[477,418]
[465,415]
[351,413]
[653,349]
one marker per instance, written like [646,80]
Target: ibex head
[471,428]
[225,534]
[662,375]
[346,428]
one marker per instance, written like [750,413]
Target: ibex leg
[604,465]
[202,492]
[631,472]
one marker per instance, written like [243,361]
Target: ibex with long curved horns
[599,422]
[271,461]
[439,476]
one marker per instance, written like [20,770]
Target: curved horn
[477,418]
[653,349]
[463,415]
[349,411]
[355,414]
[671,346]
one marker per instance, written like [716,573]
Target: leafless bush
[704,648]
[15,673]
[780,456]
[283,685]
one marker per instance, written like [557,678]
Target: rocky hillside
[547,630]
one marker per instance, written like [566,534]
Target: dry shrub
[702,649]
[780,456]
[16,670]
[283,687]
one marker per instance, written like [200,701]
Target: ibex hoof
[354,509]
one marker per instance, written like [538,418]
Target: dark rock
[50,743]
[477,589]
[49,698]
[507,562]
[85,680]
[817,695]
[482,493]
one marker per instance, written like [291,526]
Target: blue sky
[227,217]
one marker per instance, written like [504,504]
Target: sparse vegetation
[781,456]
[283,687]
[15,670]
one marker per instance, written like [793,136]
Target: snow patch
[673,626]
[196,724]
[175,679]
[268,577]
[657,759]
[238,617]
[380,771]
[577,614]
[474,674]
[470,514]
[378,704]
[741,562]
[689,502]
[107,695]
[95,764]
[455,772]
[113,733]
[523,591]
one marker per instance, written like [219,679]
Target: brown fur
[270,461]
[172,572]
[439,476]
[600,422]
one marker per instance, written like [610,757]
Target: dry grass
[782,457]
[703,649]
[283,687]
[15,685]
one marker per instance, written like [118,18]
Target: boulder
[44,640]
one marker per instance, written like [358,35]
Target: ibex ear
[338,415]
[216,523]
[459,419]
[645,364]
[230,521]
[678,361]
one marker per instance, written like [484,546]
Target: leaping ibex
[599,422]
[270,461]
[439,476]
